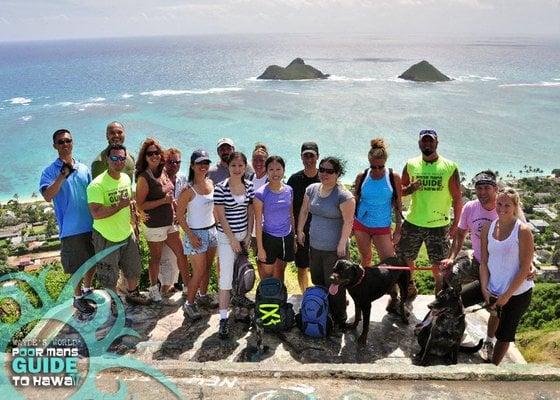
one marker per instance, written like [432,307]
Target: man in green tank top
[434,186]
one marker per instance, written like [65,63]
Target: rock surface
[424,72]
[296,70]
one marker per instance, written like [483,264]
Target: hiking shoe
[242,301]
[487,351]
[135,297]
[154,293]
[412,291]
[206,301]
[191,311]
[223,330]
[83,306]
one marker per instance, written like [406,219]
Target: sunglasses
[117,158]
[64,141]
[379,167]
[152,153]
[174,162]
[206,162]
[327,170]
[428,132]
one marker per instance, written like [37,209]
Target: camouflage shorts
[412,237]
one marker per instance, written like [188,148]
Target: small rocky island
[295,71]
[424,72]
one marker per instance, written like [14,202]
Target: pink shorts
[357,226]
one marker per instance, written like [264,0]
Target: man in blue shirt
[64,182]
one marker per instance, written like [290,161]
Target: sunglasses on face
[117,158]
[174,162]
[64,141]
[203,163]
[152,153]
[379,167]
[327,170]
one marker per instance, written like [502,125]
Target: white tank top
[503,262]
[200,210]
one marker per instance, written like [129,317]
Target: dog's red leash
[408,268]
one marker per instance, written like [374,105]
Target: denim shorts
[208,237]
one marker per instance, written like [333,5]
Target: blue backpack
[314,319]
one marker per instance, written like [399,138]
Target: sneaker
[223,330]
[135,297]
[83,306]
[191,311]
[242,301]
[154,293]
[487,351]
[206,301]
[412,291]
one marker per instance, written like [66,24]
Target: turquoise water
[501,111]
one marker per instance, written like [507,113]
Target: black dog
[368,284]
[442,329]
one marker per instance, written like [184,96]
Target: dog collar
[361,277]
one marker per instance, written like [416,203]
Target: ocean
[501,110]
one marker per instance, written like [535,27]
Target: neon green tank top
[430,206]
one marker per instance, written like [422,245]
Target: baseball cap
[483,178]
[310,147]
[428,132]
[223,141]
[199,156]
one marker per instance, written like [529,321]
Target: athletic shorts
[509,315]
[278,247]
[412,237]
[126,258]
[75,250]
[158,234]
[358,226]
[208,238]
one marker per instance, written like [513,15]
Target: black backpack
[313,318]
[272,307]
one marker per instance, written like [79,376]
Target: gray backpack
[243,274]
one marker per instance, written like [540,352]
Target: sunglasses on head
[174,162]
[152,153]
[117,158]
[428,132]
[64,141]
[380,167]
[327,170]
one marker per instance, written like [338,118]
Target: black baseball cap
[310,147]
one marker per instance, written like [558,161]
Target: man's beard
[427,152]
[224,157]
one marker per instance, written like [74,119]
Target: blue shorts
[208,237]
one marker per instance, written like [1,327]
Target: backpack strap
[395,195]
[358,189]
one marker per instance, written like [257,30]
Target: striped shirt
[236,212]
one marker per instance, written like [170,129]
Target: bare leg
[174,242]
[363,240]
[303,278]
[155,257]
[500,351]
[203,287]
[384,246]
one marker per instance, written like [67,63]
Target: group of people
[230,206]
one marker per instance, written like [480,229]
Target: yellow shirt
[430,206]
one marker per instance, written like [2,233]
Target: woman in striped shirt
[233,202]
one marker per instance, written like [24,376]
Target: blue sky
[53,19]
